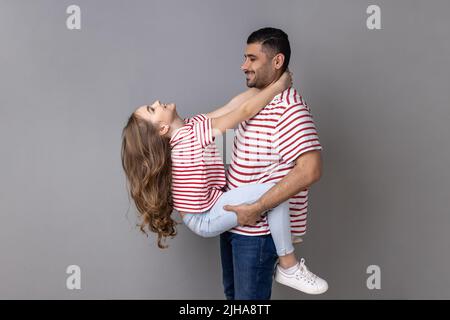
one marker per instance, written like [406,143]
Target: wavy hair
[146,160]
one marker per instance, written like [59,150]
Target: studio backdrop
[375,74]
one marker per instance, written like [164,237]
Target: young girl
[172,163]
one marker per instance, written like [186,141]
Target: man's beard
[251,83]
[258,82]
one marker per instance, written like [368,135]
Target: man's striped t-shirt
[265,149]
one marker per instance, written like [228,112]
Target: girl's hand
[285,81]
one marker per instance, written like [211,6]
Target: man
[280,145]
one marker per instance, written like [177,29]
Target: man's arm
[307,171]
[233,103]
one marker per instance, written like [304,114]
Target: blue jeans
[248,264]
[217,220]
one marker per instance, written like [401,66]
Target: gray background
[380,99]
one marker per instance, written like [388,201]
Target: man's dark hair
[273,41]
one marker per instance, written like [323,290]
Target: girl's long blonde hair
[147,162]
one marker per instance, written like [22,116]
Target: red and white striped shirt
[198,174]
[265,149]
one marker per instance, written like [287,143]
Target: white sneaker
[302,279]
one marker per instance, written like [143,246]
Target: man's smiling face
[257,66]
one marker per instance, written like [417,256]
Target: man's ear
[278,60]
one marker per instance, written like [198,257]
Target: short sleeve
[203,132]
[295,133]
[197,118]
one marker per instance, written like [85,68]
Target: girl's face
[158,113]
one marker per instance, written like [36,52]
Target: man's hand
[247,214]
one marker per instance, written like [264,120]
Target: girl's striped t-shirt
[198,174]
